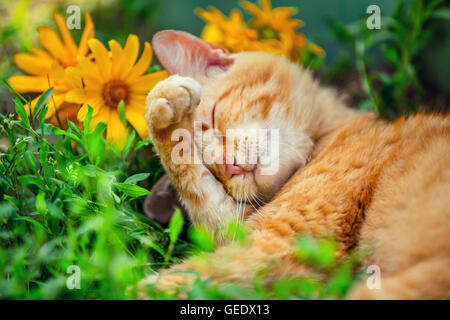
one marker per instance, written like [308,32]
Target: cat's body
[341,172]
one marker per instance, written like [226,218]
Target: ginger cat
[341,172]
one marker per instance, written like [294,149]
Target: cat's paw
[170,100]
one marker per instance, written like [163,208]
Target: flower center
[268,33]
[114,91]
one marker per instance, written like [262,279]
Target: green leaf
[366,105]
[41,102]
[341,31]
[137,177]
[74,127]
[147,241]
[34,222]
[121,112]
[307,249]
[11,200]
[87,119]
[302,288]
[29,179]
[327,253]
[20,110]
[61,132]
[43,155]
[14,91]
[235,231]
[154,68]
[41,205]
[202,238]
[392,55]
[41,119]
[132,190]
[95,144]
[340,282]
[92,171]
[385,78]
[141,144]
[175,225]
[443,13]
[31,161]
[320,253]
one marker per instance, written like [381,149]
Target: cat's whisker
[256,199]
[257,203]
[299,154]
[258,195]
[237,213]
[247,199]
[257,211]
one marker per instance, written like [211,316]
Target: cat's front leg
[171,106]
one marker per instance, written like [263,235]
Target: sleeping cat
[341,172]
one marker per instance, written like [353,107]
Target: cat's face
[253,134]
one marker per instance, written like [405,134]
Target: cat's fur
[342,172]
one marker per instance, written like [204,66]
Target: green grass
[62,206]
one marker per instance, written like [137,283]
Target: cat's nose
[233,168]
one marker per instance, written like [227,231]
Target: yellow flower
[46,67]
[278,19]
[231,33]
[271,29]
[314,48]
[114,76]
[279,22]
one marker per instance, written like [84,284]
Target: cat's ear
[184,54]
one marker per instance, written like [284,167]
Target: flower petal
[88,33]
[144,62]
[77,95]
[32,64]
[116,131]
[97,106]
[82,112]
[75,76]
[65,33]
[41,53]
[137,103]
[61,78]
[213,34]
[130,53]
[265,5]
[51,41]
[89,71]
[137,120]
[145,83]
[117,58]
[23,84]
[102,59]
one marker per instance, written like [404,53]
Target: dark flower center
[114,91]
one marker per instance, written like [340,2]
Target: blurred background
[115,19]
